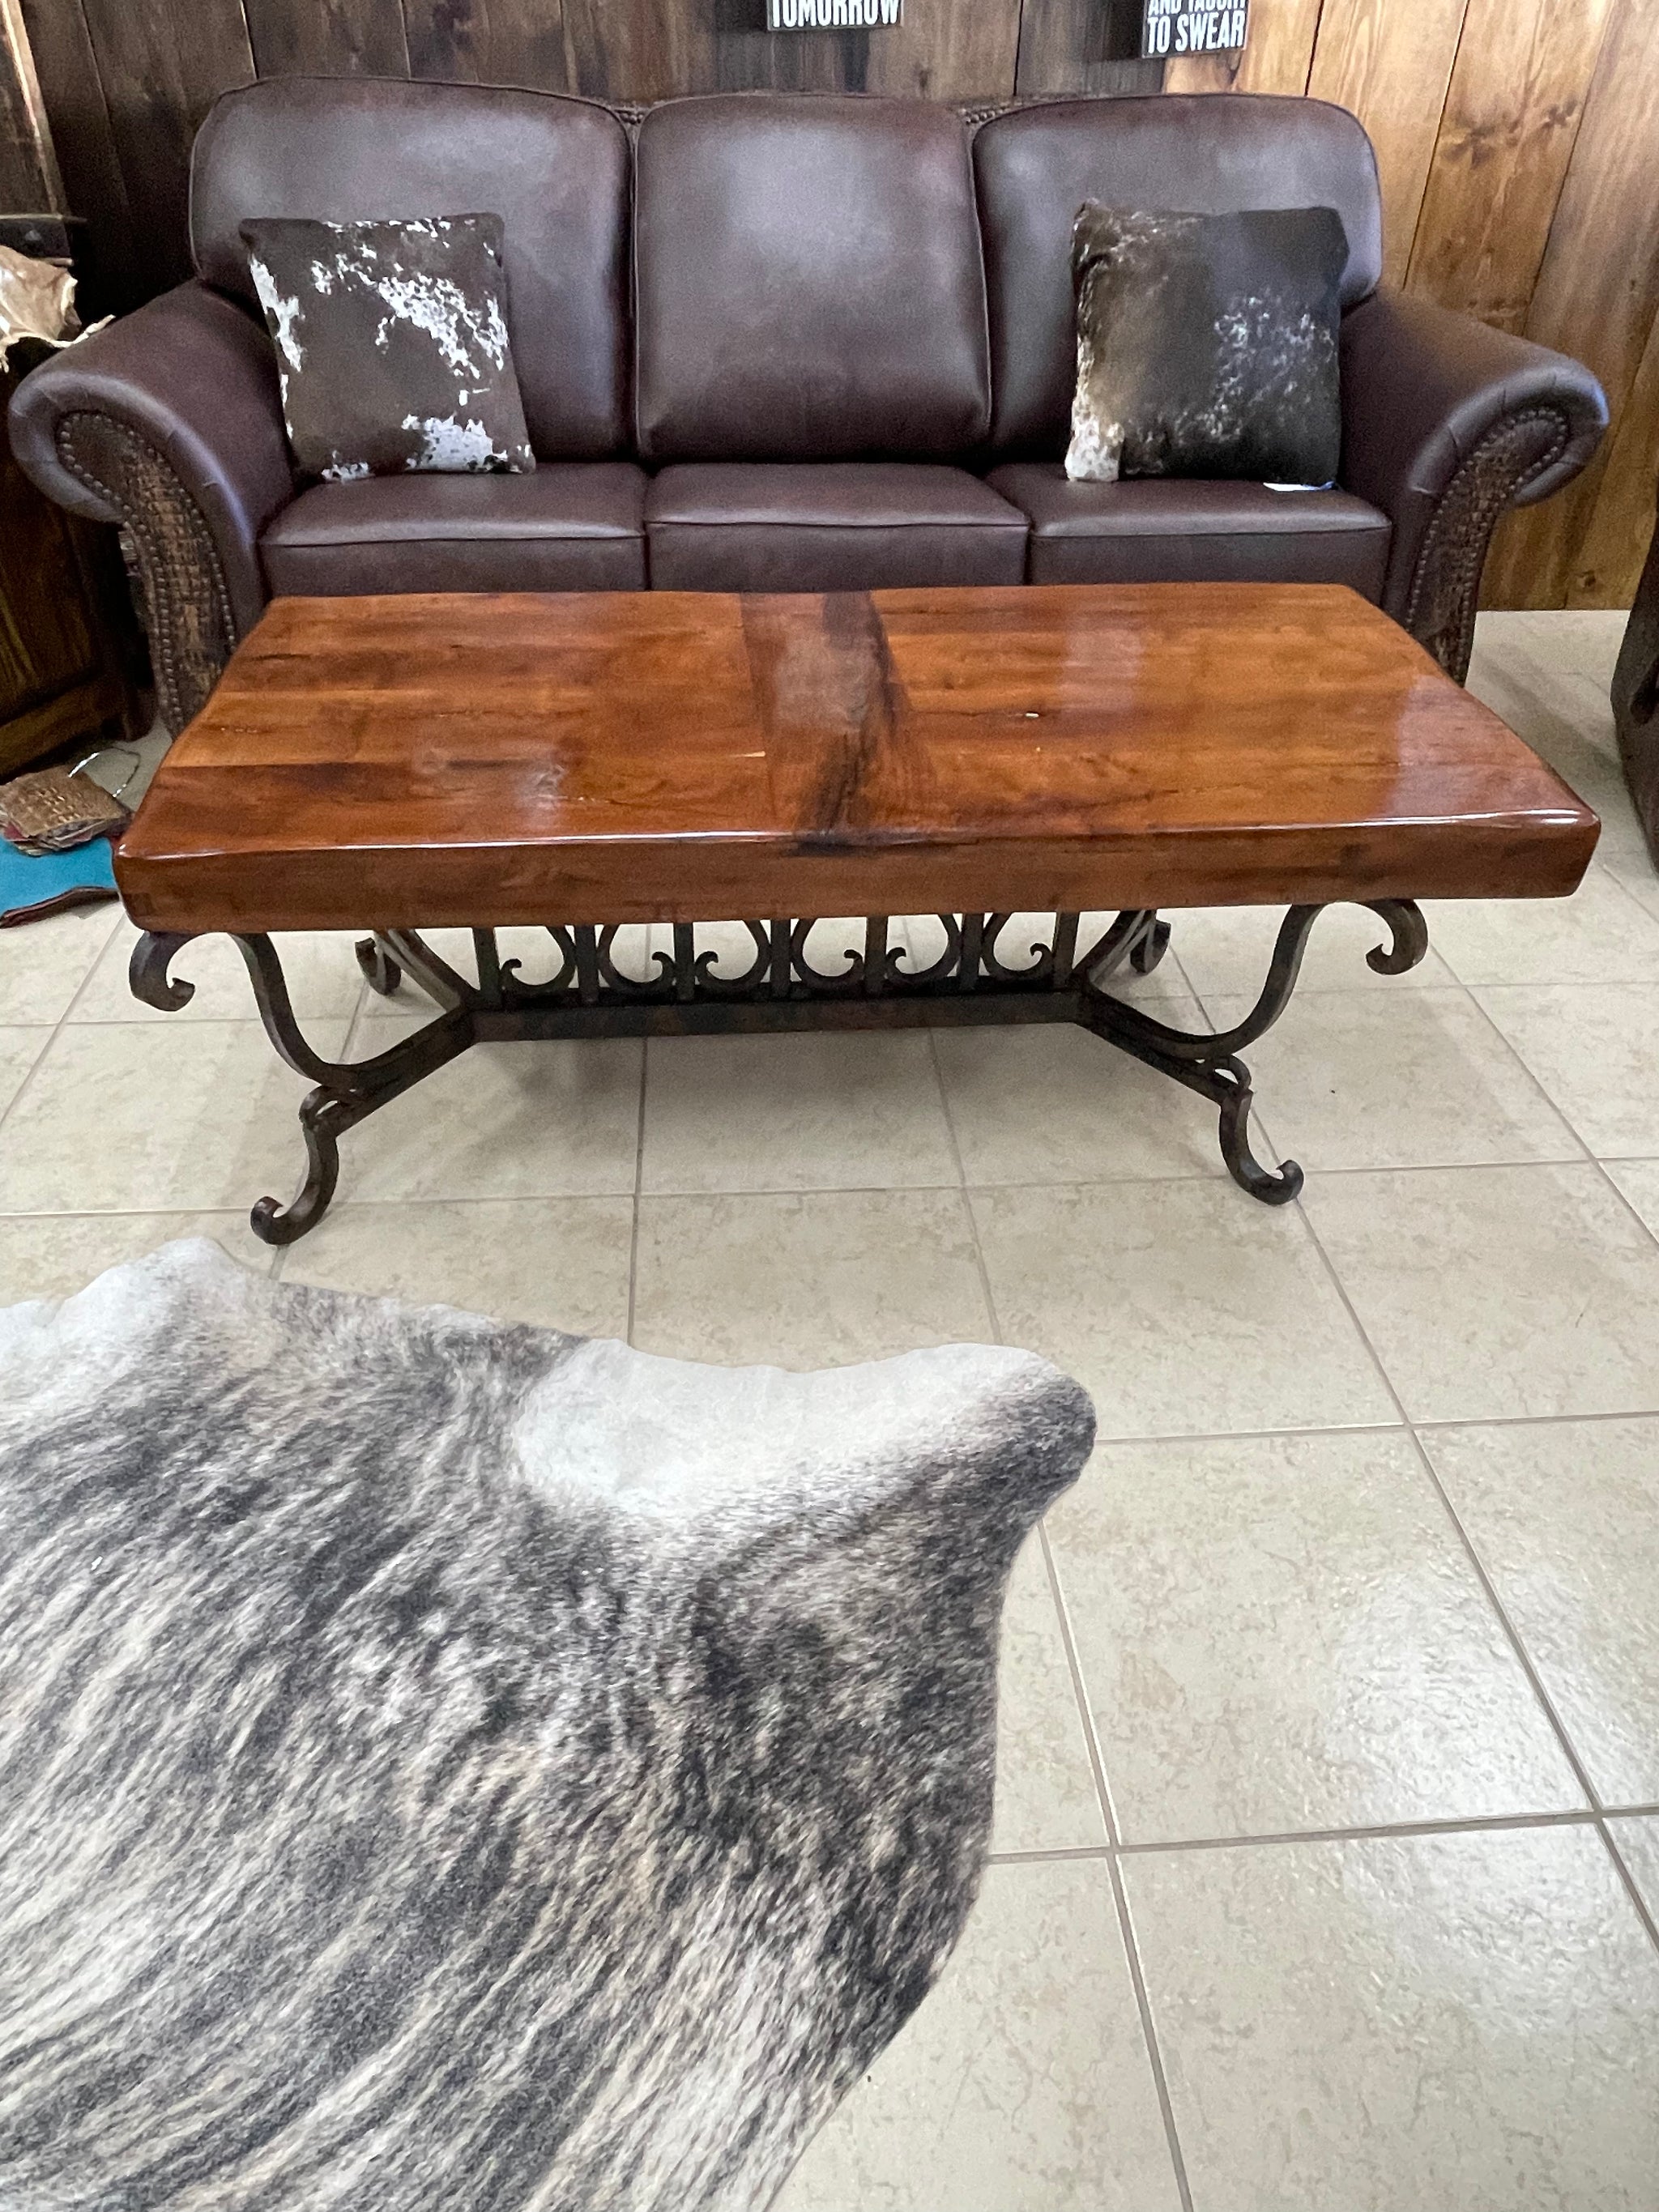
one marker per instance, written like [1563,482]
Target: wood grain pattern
[170,65]
[23,174]
[30,181]
[1524,68]
[111,279]
[60,676]
[669,755]
[491,42]
[1081,45]
[745,59]
[1391,64]
[1608,559]
[328,38]
[943,51]
[1597,296]
[1278,58]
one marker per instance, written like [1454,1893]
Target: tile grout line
[1513,1053]
[1120,1897]
[1632,1888]
[1591,1157]
[1455,986]
[962,1184]
[639,1177]
[1378,1832]
[1625,1200]
[1114,1874]
[1580,1771]
[55,1028]
[1523,1657]
[48,1031]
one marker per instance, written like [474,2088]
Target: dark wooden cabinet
[68,646]
[65,626]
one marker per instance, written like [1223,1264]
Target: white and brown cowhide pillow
[392,345]
[1208,344]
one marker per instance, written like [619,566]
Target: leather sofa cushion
[573,526]
[1179,530]
[1205,154]
[808,282]
[828,526]
[555,170]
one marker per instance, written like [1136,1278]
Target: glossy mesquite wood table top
[634,756]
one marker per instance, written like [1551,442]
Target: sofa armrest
[169,424]
[1446,423]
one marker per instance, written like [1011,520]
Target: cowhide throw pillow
[1208,344]
[449,1766]
[392,345]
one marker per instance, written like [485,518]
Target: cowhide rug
[454,1767]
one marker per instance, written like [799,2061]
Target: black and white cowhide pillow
[454,1767]
[392,345]
[1208,344]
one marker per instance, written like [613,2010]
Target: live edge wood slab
[480,761]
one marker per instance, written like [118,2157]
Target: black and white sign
[832,15]
[1176,27]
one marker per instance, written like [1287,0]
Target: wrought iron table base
[588,995]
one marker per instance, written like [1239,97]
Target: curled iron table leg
[588,996]
[1210,1065]
[346,1091]
[321,1124]
[384,976]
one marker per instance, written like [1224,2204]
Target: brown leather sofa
[777,342]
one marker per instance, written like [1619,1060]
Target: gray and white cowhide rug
[454,1767]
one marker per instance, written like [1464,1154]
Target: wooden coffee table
[581,762]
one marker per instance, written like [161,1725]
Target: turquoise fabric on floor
[32,886]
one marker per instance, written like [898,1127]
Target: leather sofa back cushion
[556,170]
[1203,154]
[808,282]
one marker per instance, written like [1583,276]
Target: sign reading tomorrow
[832,15]
[1176,27]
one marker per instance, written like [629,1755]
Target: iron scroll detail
[776,985]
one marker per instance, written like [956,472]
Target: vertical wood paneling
[29,178]
[1278,59]
[94,187]
[1607,561]
[328,38]
[492,41]
[1524,68]
[162,67]
[823,61]
[744,58]
[944,51]
[22,173]
[1597,297]
[1391,61]
[1081,45]
[635,49]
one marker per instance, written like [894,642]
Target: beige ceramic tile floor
[1328,1828]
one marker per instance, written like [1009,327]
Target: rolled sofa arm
[1446,423]
[170,423]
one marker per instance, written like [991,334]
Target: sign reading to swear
[1176,27]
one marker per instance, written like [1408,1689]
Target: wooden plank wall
[28,170]
[1514,139]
